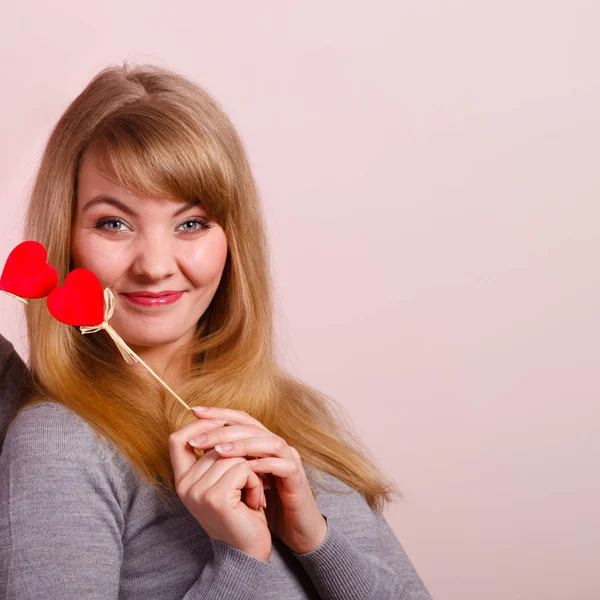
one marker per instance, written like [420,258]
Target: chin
[149,339]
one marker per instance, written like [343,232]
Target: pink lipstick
[154,298]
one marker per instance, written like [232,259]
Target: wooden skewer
[128,354]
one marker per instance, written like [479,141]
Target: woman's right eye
[101,224]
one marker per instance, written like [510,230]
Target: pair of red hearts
[80,301]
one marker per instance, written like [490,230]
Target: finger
[229,487]
[197,427]
[183,456]
[287,470]
[256,446]
[238,417]
[209,469]
[265,480]
[228,434]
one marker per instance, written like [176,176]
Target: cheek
[89,252]
[205,263]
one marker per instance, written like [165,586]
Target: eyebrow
[106,199]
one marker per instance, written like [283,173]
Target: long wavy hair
[157,133]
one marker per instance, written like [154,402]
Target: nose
[154,259]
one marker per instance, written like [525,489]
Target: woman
[108,490]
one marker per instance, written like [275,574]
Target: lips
[153,294]
[153,299]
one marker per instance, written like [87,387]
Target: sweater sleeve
[231,573]
[61,521]
[360,556]
[63,504]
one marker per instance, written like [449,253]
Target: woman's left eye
[193,225]
[101,225]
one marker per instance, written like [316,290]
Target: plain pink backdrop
[429,172]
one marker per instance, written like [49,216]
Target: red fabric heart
[80,301]
[26,272]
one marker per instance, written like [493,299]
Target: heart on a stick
[80,301]
[27,273]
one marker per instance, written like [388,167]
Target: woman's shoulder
[49,420]
[335,495]
[324,480]
[49,431]
[50,447]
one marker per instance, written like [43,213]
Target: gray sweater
[76,522]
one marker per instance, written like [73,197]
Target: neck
[156,357]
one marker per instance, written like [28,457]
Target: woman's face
[142,249]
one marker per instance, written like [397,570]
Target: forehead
[92,182]
[120,167]
[91,176]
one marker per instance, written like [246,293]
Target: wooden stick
[114,334]
[128,354]
[17,297]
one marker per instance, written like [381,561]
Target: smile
[153,300]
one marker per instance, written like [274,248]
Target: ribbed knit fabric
[76,522]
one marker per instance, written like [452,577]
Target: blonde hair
[155,132]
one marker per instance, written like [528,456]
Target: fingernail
[264,502]
[197,441]
[199,408]
[223,447]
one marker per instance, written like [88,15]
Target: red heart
[80,301]
[26,272]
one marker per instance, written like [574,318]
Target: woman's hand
[292,512]
[211,489]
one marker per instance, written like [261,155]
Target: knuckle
[279,443]
[219,434]
[186,491]
[238,463]
[244,467]
[211,498]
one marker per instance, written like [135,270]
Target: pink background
[430,176]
